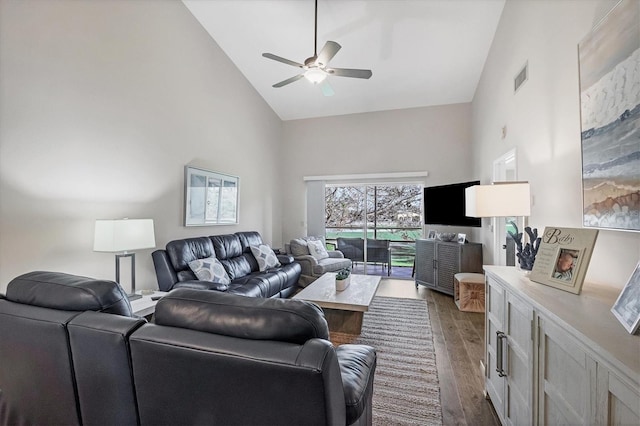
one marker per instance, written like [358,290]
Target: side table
[146,306]
[468,292]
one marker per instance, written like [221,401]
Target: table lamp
[121,236]
[500,199]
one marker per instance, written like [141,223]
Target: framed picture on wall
[610,119]
[627,307]
[211,198]
[563,257]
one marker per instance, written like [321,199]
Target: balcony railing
[401,242]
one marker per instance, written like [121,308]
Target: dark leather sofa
[233,251]
[72,354]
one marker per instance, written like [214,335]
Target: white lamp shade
[122,235]
[498,200]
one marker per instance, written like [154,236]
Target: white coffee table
[145,305]
[344,310]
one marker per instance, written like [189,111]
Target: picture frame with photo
[462,238]
[563,258]
[627,307]
[432,235]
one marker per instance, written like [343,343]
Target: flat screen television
[445,205]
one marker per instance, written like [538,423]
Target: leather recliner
[218,358]
[64,351]
[234,252]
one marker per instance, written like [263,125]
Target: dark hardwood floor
[459,344]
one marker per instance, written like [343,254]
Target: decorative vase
[342,284]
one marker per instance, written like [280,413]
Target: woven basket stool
[468,291]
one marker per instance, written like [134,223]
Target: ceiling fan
[316,67]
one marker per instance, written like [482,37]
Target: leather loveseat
[71,354]
[234,253]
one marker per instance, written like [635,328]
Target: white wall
[102,104]
[543,122]
[432,139]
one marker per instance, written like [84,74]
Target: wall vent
[521,78]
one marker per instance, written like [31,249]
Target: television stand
[437,262]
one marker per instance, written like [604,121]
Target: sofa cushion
[57,290]
[317,249]
[255,318]
[209,269]
[181,252]
[265,256]
[299,247]
[226,246]
[331,264]
[248,239]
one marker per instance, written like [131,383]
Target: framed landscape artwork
[610,120]
[211,198]
[627,307]
[563,258]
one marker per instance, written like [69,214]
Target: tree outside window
[393,212]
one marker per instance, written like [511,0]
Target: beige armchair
[314,266]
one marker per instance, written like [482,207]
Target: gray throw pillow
[317,249]
[299,247]
[265,256]
[210,269]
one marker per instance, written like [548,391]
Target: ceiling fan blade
[347,72]
[283,60]
[327,90]
[328,51]
[289,80]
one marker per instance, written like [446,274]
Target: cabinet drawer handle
[500,336]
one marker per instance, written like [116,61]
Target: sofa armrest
[357,366]
[165,274]
[201,285]
[336,254]
[285,259]
[308,263]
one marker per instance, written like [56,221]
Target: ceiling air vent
[521,77]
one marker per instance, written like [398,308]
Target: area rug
[405,388]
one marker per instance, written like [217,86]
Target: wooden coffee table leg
[349,322]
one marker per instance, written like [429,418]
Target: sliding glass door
[378,214]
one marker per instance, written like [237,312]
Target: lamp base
[134,296]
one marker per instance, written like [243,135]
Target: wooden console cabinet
[552,357]
[438,261]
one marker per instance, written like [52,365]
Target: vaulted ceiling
[421,52]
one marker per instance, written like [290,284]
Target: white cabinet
[553,357]
[566,376]
[509,355]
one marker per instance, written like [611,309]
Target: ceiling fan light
[315,75]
